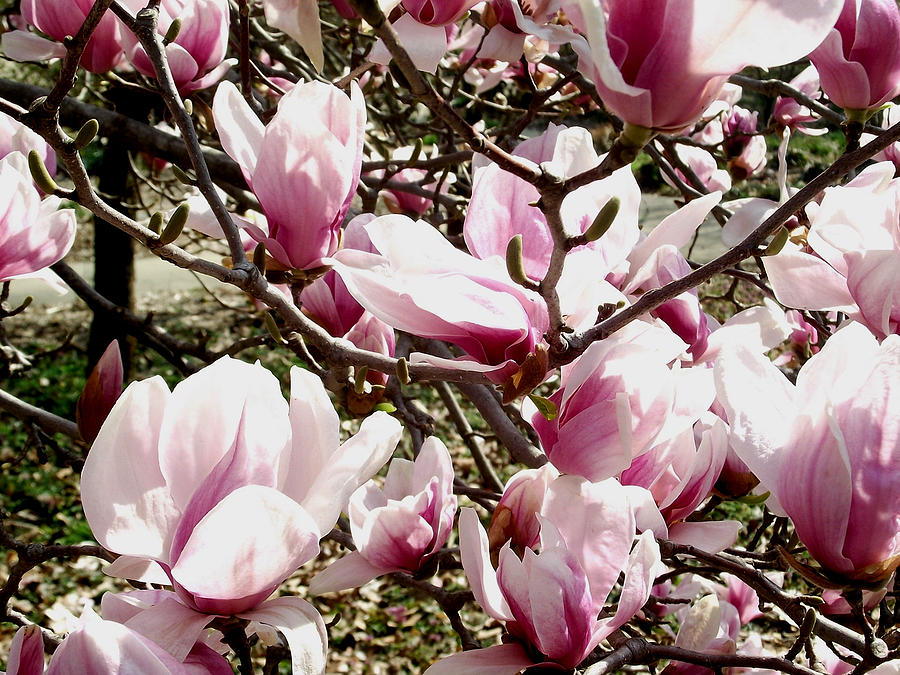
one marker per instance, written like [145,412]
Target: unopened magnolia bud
[416,151]
[604,220]
[40,174]
[515,265]
[188,106]
[402,371]
[181,175]
[86,134]
[101,390]
[272,327]
[259,257]
[778,242]
[156,222]
[172,33]
[359,379]
[175,225]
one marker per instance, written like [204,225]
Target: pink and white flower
[827,448]
[303,166]
[34,232]
[221,474]
[401,527]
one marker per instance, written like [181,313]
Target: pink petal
[240,130]
[227,405]
[351,571]
[873,278]
[473,548]
[507,659]
[302,627]
[300,20]
[759,401]
[26,652]
[351,465]
[23,45]
[597,524]
[125,497]
[713,536]
[643,566]
[314,433]
[170,624]
[255,516]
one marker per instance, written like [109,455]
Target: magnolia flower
[859,61]
[659,64]
[790,113]
[221,474]
[300,20]
[303,166]
[103,647]
[501,205]
[196,55]
[704,166]
[61,18]
[15,136]
[494,320]
[399,528]
[620,398]
[549,600]
[680,472]
[852,260]
[33,233]
[422,30]
[515,518]
[827,448]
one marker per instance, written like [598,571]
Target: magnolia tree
[411,194]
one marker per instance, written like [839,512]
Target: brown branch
[47,421]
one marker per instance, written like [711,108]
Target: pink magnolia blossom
[890,117]
[515,518]
[826,448]
[744,148]
[680,472]
[303,166]
[103,647]
[196,56]
[549,600]
[424,30]
[399,528]
[710,627]
[101,390]
[495,321]
[790,113]
[300,20]
[34,233]
[500,205]
[704,166]
[221,474]
[619,399]
[852,261]
[15,136]
[859,60]
[328,302]
[656,260]
[658,65]
[57,19]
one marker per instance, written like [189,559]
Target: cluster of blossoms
[218,491]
